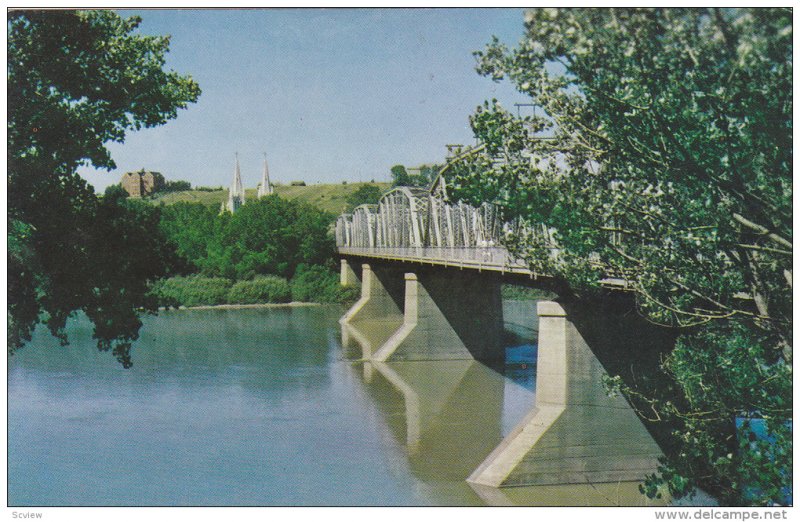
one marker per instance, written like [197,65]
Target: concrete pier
[381,295]
[425,315]
[575,434]
[448,315]
[349,275]
[379,311]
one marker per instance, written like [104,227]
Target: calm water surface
[265,407]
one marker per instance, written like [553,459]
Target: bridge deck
[493,259]
[496,259]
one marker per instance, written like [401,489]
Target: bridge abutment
[448,315]
[576,433]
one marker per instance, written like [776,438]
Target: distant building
[265,187]
[236,192]
[142,183]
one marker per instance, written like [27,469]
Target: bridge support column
[348,275]
[381,296]
[379,311]
[575,434]
[448,315]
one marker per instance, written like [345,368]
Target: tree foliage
[270,236]
[400,176]
[261,289]
[428,173]
[319,284]
[193,290]
[425,176]
[76,80]
[365,194]
[190,227]
[667,163]
[174,186]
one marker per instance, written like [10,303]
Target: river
[266,406]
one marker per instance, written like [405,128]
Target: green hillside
[329,197]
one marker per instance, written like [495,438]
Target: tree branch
[764,231]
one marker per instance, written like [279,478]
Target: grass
[330,197]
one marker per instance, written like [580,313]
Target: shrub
[320,285]
[524,293]
[173,186]
[115,192]
[347,294]
[262,289]
[366,193]
[191,291]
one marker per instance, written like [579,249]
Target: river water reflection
[270,406]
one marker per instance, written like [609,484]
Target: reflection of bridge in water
[448,415]
[431,274]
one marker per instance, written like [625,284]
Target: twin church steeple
[265,187]
[236,197]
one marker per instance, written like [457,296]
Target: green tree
[400,177]
[174,186]
[425,176]
[365,194]
[320,284]
[76,80]
[669,164]
[191,228]
[115,191]
[271,236]
[428,173]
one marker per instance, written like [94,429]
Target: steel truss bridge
[418,225]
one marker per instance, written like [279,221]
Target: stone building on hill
[142,183]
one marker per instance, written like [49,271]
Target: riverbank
[315,284]
[292,304]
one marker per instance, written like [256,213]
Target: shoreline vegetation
[524,293]
[316,285]
[291,304]
[310,288]
[271,250]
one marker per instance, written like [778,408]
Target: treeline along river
[265,406]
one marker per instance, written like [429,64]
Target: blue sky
[328,94]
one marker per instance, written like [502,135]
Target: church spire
[265,187]
[236,192]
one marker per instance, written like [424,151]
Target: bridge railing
[489,258]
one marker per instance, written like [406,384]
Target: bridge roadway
[491,259]
[496,259]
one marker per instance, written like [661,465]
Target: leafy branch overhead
[662,154]
[76,81]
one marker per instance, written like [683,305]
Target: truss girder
[411,218]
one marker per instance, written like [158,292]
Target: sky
[329,95]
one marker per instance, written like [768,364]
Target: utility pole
[518,105]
